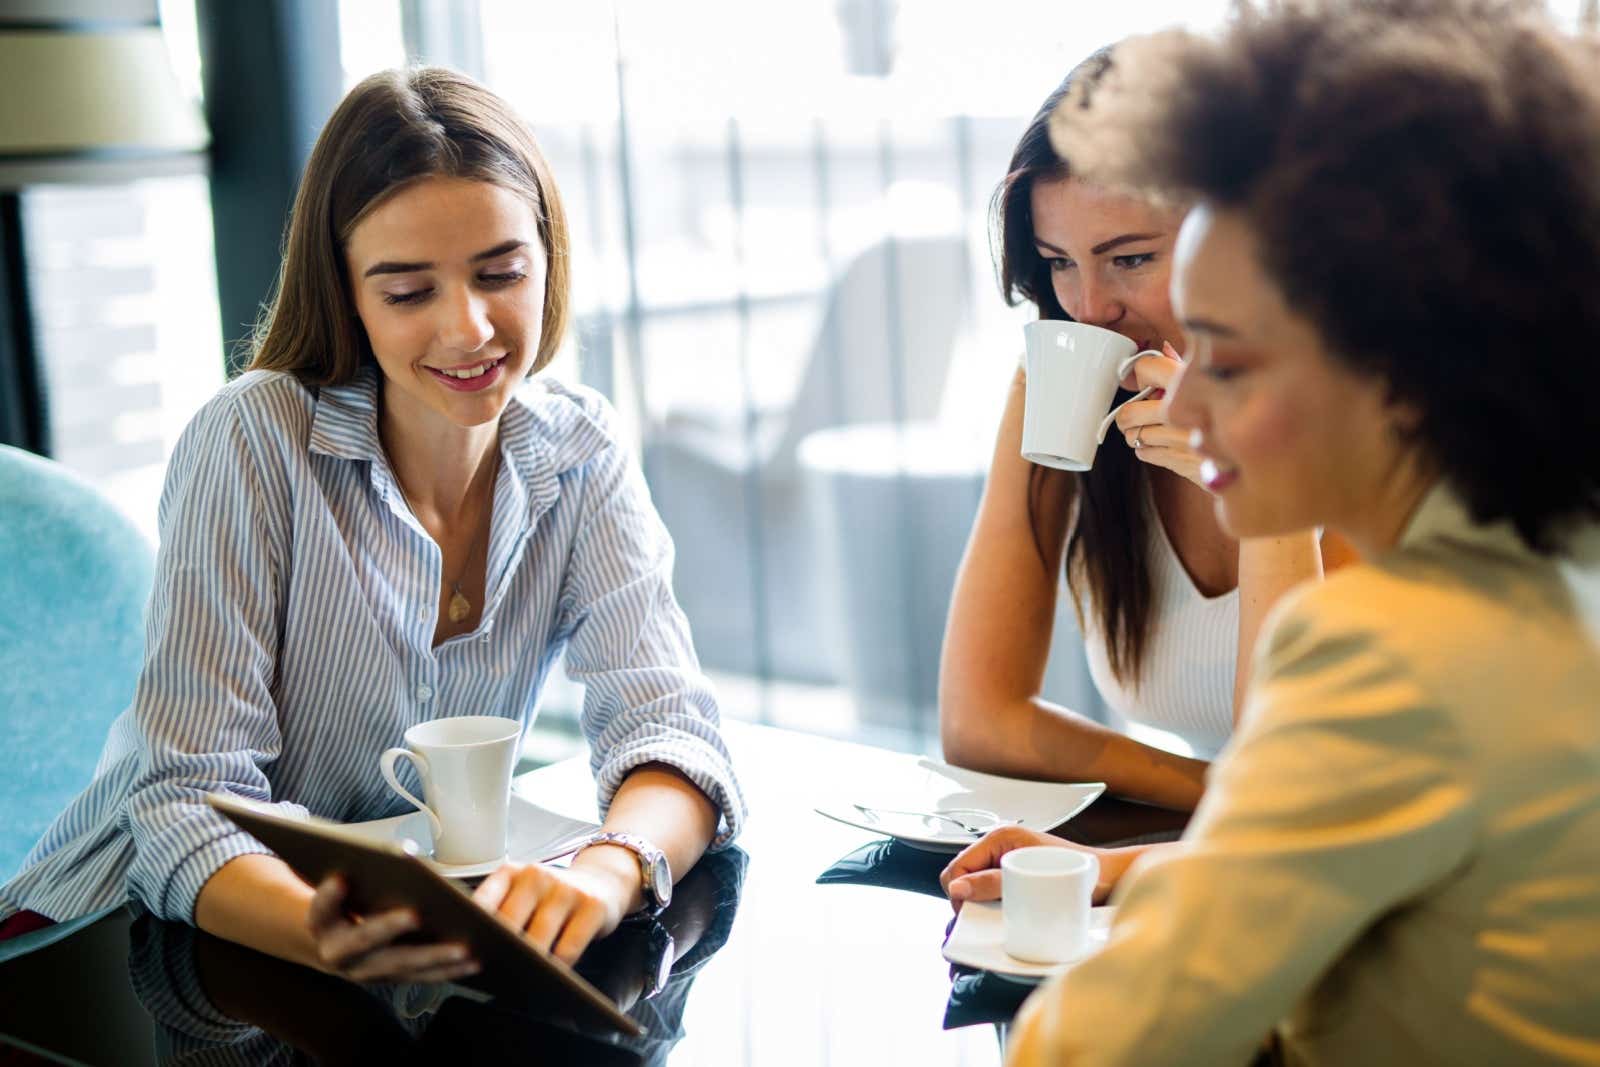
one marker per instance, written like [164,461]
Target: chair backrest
[73,587]
[889,326]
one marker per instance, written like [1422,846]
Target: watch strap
[648,856]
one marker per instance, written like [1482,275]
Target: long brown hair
[1106,532]
[394,128]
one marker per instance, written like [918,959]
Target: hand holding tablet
[381,878]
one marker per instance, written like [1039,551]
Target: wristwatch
[660,952]
[654,872]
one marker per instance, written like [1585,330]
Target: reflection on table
[769,964]
[214,1001]
[978,997]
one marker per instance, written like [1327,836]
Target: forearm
[258,902]
[1033,738]
[659,804]
[1114,863]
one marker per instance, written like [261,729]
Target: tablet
[384,875]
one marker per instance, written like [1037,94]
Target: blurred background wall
[781,262]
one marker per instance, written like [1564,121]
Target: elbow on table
[968,733]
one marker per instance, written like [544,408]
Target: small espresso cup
[465,765]
[1073,370]
[1045,893]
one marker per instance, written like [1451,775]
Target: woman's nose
[465,326]
[1097,302]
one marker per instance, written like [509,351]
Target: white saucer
[979,936]
[533,835]
[922,784]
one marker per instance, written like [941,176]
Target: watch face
[661,876]
[668,952]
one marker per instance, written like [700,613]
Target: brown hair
[394,128]
[1444,154]
[1106,543]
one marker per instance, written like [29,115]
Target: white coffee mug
[465,765]
[1073,370]
[1045,895]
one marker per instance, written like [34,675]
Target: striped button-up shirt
[290,634]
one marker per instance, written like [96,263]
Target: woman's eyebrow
[1104,246]
[390,266]
[1125,239]
[499,250]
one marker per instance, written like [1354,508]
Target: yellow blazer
[1397,860]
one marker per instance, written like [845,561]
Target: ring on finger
[1137,443]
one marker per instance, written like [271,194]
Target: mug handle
[1122,372]
[386,764]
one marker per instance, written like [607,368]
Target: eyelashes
[1057,264]
[494,281]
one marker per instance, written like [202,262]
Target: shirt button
[422,614]
[424,692]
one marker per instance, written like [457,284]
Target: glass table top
[811,942]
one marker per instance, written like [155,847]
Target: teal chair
[74,578]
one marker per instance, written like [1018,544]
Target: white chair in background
[747,574]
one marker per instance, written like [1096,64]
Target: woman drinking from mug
[1169,601]
[1391,267]
[376,526]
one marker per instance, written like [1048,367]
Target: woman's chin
[1240,520]
[481,414]
[472,410]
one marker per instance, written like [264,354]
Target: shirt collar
[344,423]
[544,432]
[550,418]
[1444,516]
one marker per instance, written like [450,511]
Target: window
[122,287]
[783,281]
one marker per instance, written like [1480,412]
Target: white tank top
[1186,685]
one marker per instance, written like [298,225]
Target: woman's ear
[1405,417]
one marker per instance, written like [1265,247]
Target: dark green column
[272,76]
[24,414]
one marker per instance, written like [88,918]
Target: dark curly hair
[1423,178]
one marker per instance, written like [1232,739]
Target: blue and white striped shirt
[290,634]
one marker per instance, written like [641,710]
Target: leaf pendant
[460,607]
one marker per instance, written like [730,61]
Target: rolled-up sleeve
[204,707]
[646,700]
[1343,796]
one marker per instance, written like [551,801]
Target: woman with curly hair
[1390,271]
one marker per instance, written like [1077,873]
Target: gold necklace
[459,607]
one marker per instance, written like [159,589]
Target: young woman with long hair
[1170,602]
[377,525]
